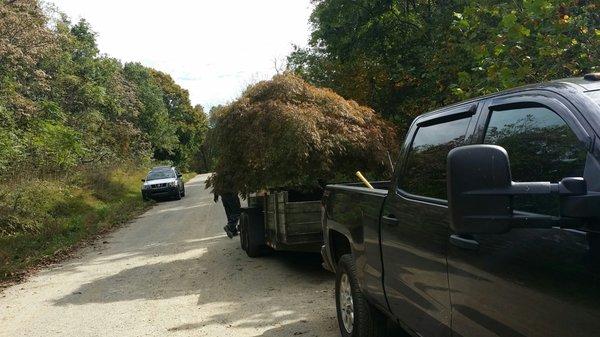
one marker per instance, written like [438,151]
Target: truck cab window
[541,147]
[425,173]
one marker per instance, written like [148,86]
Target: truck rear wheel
[356,316]
[248,235]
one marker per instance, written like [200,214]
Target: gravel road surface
[172,272]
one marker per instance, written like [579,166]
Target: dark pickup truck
[464,242]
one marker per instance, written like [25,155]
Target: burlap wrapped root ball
[287,134]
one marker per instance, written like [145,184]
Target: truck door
[415,224]
[530,282]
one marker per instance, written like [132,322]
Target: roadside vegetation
[48,217]
[78,130]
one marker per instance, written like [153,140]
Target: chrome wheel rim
[346,304]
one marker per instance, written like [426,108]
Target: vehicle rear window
[425,173]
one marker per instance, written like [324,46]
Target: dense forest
[63,104]
[405,57]
[78,129]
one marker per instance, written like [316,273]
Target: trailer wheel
[248,233]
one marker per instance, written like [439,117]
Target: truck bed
[350,204]
[354,210]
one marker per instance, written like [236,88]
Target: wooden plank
[303,207]
[286,220]
[281,198]
[303,217]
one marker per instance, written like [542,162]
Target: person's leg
[232,210]
[226,206]
[236,211]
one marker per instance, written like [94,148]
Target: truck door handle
[390,220]
[464,242]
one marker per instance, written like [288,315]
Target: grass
[43,220]
[188,176]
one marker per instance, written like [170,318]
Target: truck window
[541,147]
[425,173]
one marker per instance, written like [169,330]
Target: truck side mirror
[481,191]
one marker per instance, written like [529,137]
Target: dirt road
[173,273]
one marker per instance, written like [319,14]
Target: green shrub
[41,217]
[30,204]
[56,147]
[9,148]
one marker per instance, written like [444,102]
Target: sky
[213,48]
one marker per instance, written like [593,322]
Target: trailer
[281,221]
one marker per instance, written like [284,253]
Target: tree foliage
[285,133]
[528,41]
[69,114]
[65,105]
[405,57]
[190,122]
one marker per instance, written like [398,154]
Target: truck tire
[356,316]
[248,234]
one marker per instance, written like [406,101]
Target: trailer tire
[356,316]
[249,232]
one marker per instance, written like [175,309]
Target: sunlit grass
[52,216]
[188,176]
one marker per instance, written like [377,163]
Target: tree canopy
[405,57]
[64,104]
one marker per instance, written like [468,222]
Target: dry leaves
[285,133]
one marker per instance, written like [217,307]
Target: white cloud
[212,48]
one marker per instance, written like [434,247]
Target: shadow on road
[300,328]
[232,289]
[188,276]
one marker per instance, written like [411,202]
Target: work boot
[230,234]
